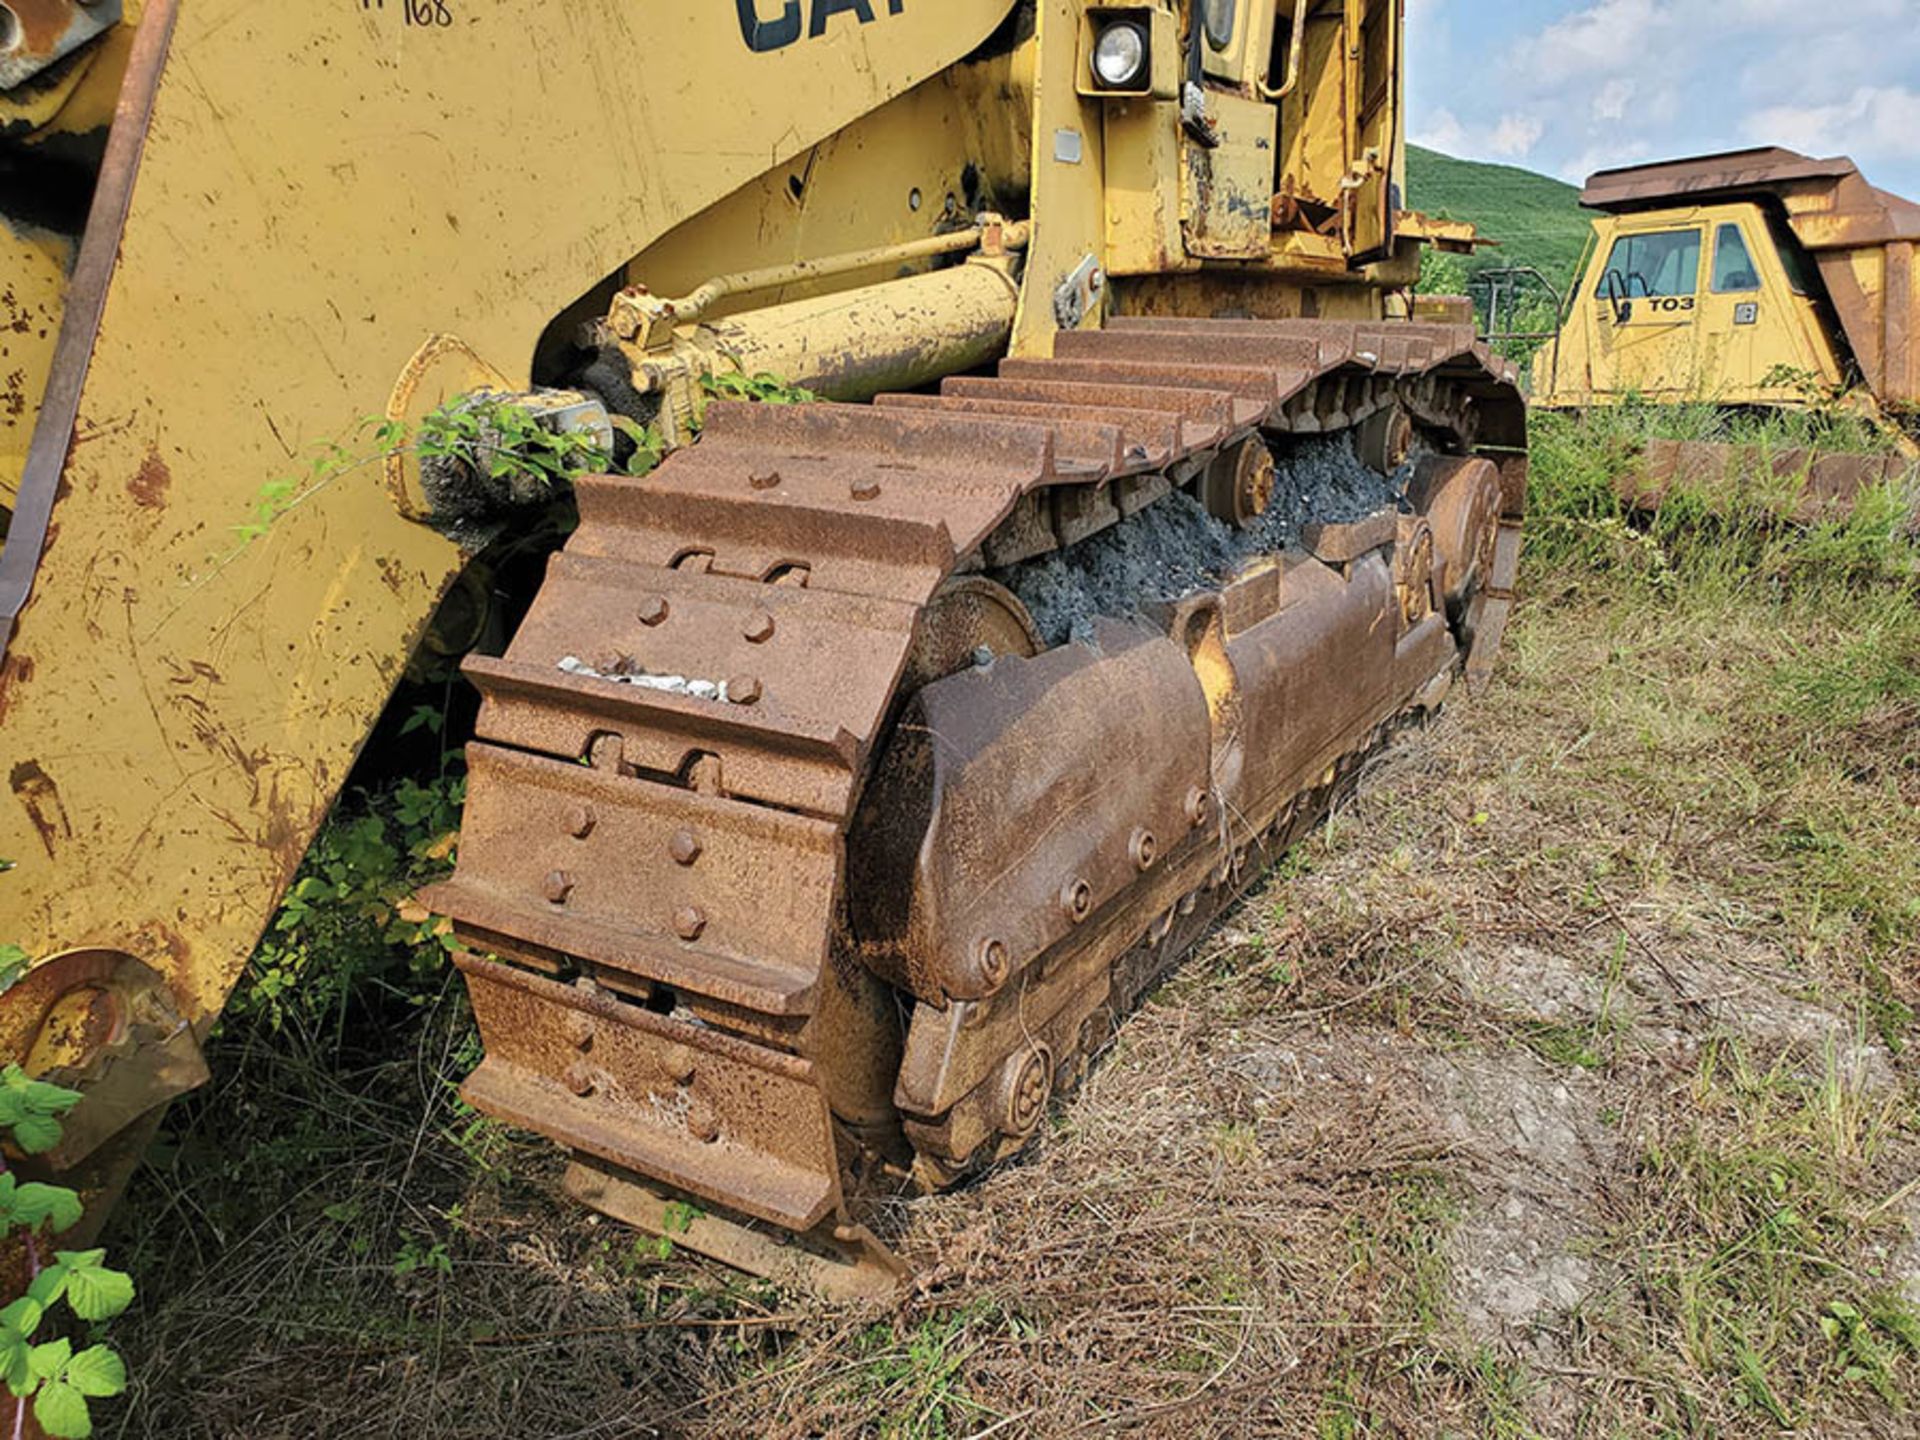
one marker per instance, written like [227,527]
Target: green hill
[1537,220]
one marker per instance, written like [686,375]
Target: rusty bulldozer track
[795,868]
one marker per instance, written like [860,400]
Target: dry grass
[1561,1088]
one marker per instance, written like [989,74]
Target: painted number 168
[428,13]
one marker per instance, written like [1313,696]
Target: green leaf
[36,1134]
[55,1205]
[50,1359]
[62,1411]
[23,1316]
[15,1370]
[97,1293]
[98,1373]
[45,1099]
[14,962]
[49,1285]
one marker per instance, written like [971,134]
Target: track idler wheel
[1385,439]
[1460,498]
[969,619]
[1238,486]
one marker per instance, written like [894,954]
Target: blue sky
[1571,86]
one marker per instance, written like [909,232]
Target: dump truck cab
[1754,278]
[1707,303]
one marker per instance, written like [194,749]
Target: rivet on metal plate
[558,888]
[684,847]
[744,690]
[1076,899]
[690,923]
[580,821]
[1145,849]
[759,628]
[653,610]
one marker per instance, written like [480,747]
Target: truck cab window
[1733,268]
[1665,263]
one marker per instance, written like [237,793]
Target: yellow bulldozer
[839,782]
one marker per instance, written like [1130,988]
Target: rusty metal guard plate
[712,1115]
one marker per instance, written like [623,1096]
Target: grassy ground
[1563,1086]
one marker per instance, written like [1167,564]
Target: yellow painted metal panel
[325,186]
[34,264]
[1069,169]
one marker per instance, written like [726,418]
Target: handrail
[1296,56]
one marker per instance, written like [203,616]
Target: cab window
[1666,263]
[1733,268]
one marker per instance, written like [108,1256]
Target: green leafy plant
[51,1375]
[13,966]
[489,435]
[349,920]
[760,389]
[422,1257]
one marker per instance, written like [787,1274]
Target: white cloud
[1611,100]
[1872,119]
[1573,88]
[1515,136]
[1511,136]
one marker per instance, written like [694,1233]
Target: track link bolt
[1198,804]
[580,1079]
[759,628]
[580,822]
[559,888]
[865,489]
[996,963]
[690,923]
[1076,900]
[684,847]
[653,610]
[744,690]
[677,1061]
[763,479]
[1144,849]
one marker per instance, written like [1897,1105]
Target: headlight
[1120,55]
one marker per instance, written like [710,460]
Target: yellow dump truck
[838,782]
[1756,278]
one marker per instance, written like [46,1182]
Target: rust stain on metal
[151,483]
[15,670]
[35,790]
[1800,485]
